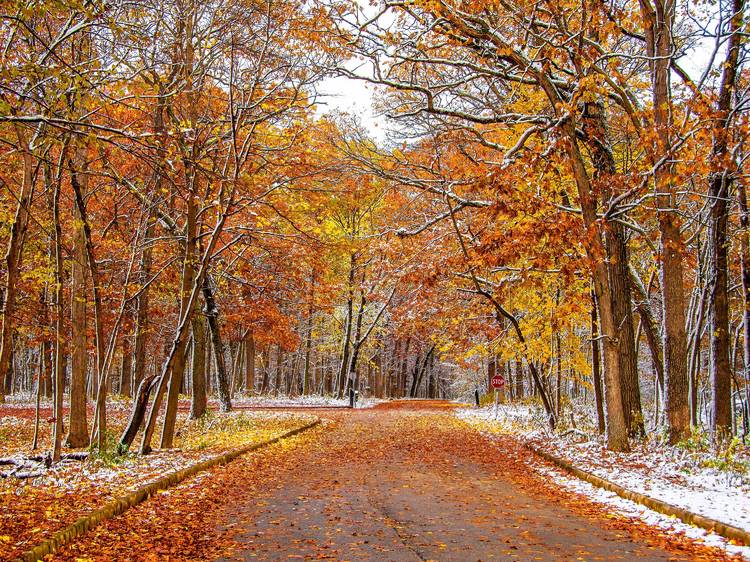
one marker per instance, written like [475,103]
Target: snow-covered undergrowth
[690,475]
[310,400]
[45,500]
[195,440]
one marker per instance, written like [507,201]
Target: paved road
[409,482]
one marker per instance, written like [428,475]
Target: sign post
[498,381]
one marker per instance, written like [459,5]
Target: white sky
[354,97]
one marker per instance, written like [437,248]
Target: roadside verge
[725,530]
[119,505]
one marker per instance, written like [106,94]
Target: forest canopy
[560,199]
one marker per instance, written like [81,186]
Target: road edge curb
[123,503]
[724,529]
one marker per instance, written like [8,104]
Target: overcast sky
[356,97]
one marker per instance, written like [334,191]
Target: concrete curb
[723,529]
[123,503]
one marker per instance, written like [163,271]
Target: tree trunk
[13,257]
[79,182]
[596,367]
[199,400]
[78,433]
[343,370]
[277,381]
[126,368]
[745,263]
[404,368]
[658,21]
[188,278]
[138,412]
[650,328]
[59,378]
[309,335]
[719,193]
[212,313]
[519,379]
[250,363]
[431,382]
[615,243]
[141,314]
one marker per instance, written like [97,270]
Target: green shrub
[113,452]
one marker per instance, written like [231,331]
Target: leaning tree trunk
[617,430]
[650,327]
[138,412]
[212,313]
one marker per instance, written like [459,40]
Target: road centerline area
[407,481]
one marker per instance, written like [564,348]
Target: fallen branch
[574,431]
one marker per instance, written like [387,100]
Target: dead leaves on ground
[192,522]
[31,510]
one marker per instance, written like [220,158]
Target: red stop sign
[498,381]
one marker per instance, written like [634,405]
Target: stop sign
[498,381]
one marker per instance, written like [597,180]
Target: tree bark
[596,370]
[719,192]
[79,182]
[745,265]
[519,379]
[212,313]
[78,433]
[59,377]
[250,362]
[13,257]
[198,400]
[615,243]
[658,19]
[126,368]
[343,370]
[138,412]
[650,328]
[308,337]
[141,314]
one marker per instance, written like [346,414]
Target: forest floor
[401,481]
[45,500]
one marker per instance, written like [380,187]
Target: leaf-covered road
[403,481]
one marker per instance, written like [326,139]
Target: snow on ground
[196,441]
[315,400]
[674,475]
